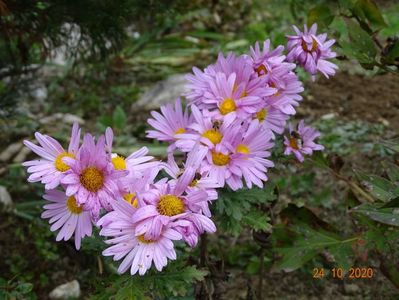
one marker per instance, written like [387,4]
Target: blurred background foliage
[91,60]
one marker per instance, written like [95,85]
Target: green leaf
[321,15]
[379,187]
[175,280]
[119,118]
[233,207]
[24,288]
[392,170]
[386,215]
[371,12]
[310,242]
[257,220]
[361,44]
[346,4]
[375,238]
[392,144]
[130,291]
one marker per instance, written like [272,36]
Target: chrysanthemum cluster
[236,110]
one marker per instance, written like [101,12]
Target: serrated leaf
[175,280]
[130,291]
[257,220]
[379,187]
[386,215]
[309,243]
[321,15]
[293,259]
[305,236]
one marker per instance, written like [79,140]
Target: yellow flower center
[143,240]
[294,143]
[305,46]
[241,148]
[92,179]
[261,115]
[170,205]
[73,206]
[213,135]
[119,162]
[261,70]
[180,130]
[131,199]
[227,106]
[220,159]
[59,164]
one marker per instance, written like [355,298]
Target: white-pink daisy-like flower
[51,168]
[264,60]
[65,213]
[136,163]
[242,155]
[272,119]
[288,88]
[171,122]
[92,178]
[301,142]
[201,181]
[167,203]
[228,98]
[312,51]
[137,252]
[228,86]
[204,130]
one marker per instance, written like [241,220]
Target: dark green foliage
[176,280]
[245,206]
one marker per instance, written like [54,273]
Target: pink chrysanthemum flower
[311,51]
[272,119]
[301,142]
[272,67]
[51,168]
[264,60]
[230,98]
[92,178]
[228,86]
[65,213]
[132,185]
[136,163]
[241,156]
[206,131]
[288,87]
[199,82]
[137,252]
[201,181]
[171,122]
[167,203]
